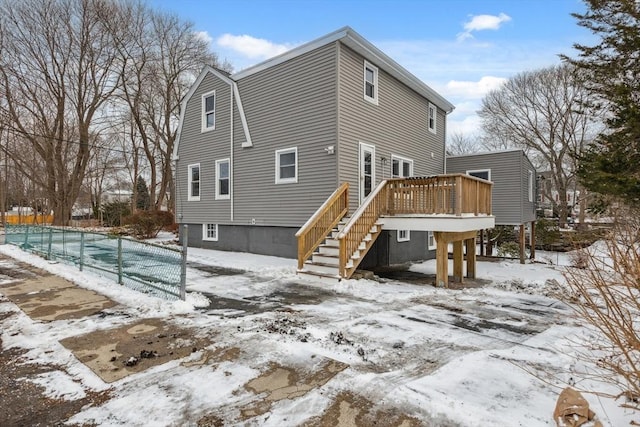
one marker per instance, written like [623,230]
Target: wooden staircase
[325,260]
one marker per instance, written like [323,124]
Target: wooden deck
[454,195]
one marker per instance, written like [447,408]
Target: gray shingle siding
[204,148]
[396,126]
[289,105]
[509,173]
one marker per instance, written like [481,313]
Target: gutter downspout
[231,165]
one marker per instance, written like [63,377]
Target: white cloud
[474,90]
[252,47]
[204,36]
[482,22]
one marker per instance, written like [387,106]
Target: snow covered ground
[496,355]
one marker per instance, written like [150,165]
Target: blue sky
[461,48]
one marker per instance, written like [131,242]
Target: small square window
[287,166]
[210,232]
[432,118]
[223,181]
[404,236]
[209,111]
[194,182]
[370,83]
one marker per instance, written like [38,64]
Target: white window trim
[205,234]
[191,197]
[374,99]
[433,129]
[403,239]
[204,112]
[469,172]
[530,185]
[430,237]
[401,160]
[218,195]
[295,177]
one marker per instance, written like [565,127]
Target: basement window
[210,232]
[404,236]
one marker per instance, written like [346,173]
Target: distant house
[331,134]
[514,186]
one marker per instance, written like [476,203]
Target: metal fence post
[26,236]
[120,260]
[81,249]
[49,246]
[183,267]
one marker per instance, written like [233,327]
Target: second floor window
[208,111]
[432,118]
[370,83]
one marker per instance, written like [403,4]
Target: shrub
[147,224]
[547,233]
[113,213]
[605,293]
[509,249]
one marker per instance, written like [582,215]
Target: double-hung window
[208,111]
[223,188]
[194,182]
[287,165]
[432,118]
[370,83]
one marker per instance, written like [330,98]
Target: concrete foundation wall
[275,241]
[281,242]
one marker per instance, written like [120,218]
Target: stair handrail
[360,224]
[315,230]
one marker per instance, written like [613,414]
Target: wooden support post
[482,242]
[522,242]
[471,257]
[532,240]
[442,261]
[458,261]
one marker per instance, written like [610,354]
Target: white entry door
[367,169]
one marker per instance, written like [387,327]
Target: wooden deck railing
[453,194]
[315,230]
[360,224]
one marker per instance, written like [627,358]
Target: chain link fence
[145,267]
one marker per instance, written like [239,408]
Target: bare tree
[458,143]
[539,111]
[57,70]
[162,56]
